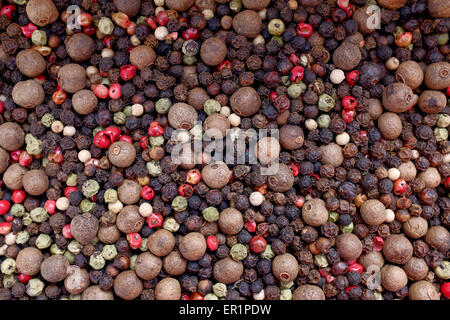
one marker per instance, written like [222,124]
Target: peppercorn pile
[92,206]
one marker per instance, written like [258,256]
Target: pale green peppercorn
[210,296]
[156,141]
[170,224]
[323,121]
[238,252]
[347,229]
[189,60]
[105,25]
[326,103]
[275,27]
[285,294]
[190,48]
[333,216]
[45,161]
[220,289]
[74,247]
[35,287]
[442,38]
[154,168]
[141,19]
[196,131]
[111,196]
[34,146]
[163,105]
[286,285]
[96,260]
[279,41]
[378,295]
[26,219]
[8,266]
[119,117]
[295,90]
[55,249]
[39,37]
[97,129]
[441,134]
[105,81]
[235,5]
[127,111]
[72,180]
[133,259]
[179,203]
[9,280]
[267,253]
[39,215]
[17,210]
[69,256]
[210,214]
[47,120]
[443,271]
[211,106]
[320,260]
[109,252]
[75,297]
[43,241]
[90,188]
[20,2]
[29,138]
[144,246]
[86,205]
[285,80]
[443,121]
[22,237]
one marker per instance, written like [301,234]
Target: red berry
[115,91]
[25,159]
[152,22]
[350,288]
[400,186]
[57,156]
[299,202]
[155,130]
[297,74]
[212,243]
[143,142]
[100,90]
[258,244]
[355,267]
[127,72]
[147,193]
[101,140]
[50,206]
[162,18]
[403,40]
[250,226]
[66,232]
[378,243]
[28,30]
[294,168]
[447,91]
[68,190]
[447,182]
[2,106]
[23,278]
[293,57]
[15,155]
[196,296]
[135,240]
[185,190]
[304,30]
[121,19]
[352,77]
[190,34]
[193,176]
[349,103]
[126,138]
[18,196]
[225,64]
[348,115]
[273,95]
[8,11]
[84,19]
[185,297]
[5,227]
[445,289]
[155,220]
[4,206]
[113,133]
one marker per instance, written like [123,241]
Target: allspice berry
[437,75]
[230,221]
[397,97]
[409,73]
[422,290]
[121,154]
[96,293]
[129,192]
[197,97]
[142,57]
[84,227]
[12,177]
[438,237]
[174,263]
[193,246]
[72,77]
[4,160]
[291,137]
[179,5]
[216,125]
[347,56]
[161,243]
[168,289]
[80,46]
[255,4]
[282,180]
[30,63]
[77,280]
[308,292]
[227,270]
[245,101]
[285,267]
[267,150]
[127,285]
[129,7]
[129,220]
[392,4]
[390,125]
[331,154]
[373,212]
[54,268]
[213,51]
[28,93]
[362,16]
[182,116]
[408,171]
[314,212]
[35,182]
[393,278]
[148,266]
[371,258]
[430,177]
[216,175]
[397,249]
[108,234]
[247,23]
[438,8]
[348,246]
[431,101]
[375,108]
[416,227]
[12,136]
[42,12]
[84,102]
[416,269]
[28,261]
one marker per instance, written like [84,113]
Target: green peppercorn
[97,129]
[179,203]
[8,266]
[17,210]
[20,2]
[279,41]
[347,229]
[69,256]
[119,117]
[34,145]
[90,188]
[441,134]
[286,285]
[267,253]
[47,120]
[45,161]
[220,289]
[96,260]
[443,121]
[110,196]
[55,249]
[443,271]
[323,121]
[275,27]
[442,38]
[72,180]
[285,294]
[156,141]
[75,297]
[170,224]
[133,259]
[43,241]
[105,25]
[211,214]
[238,252]
[105,81]
[189,60]
[285,80]
[74,247]
[39,215]
[210,296]
[320,260]
[211,106]
[144,246]
[127,111]
[163,105]
[9,280]
[141,19]
[35,287]
[154,168]
[190,48]
[378,295]
[22,237]
[26,219]
[39,37]
[86,205]
[333,216]
[235,5]
[109,252]
[326,102]
[196,131]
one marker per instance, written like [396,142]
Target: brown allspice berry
[331,154]
[363,16]
[30,63]
[393,278]
[397,249]
[42,12]
[408,171]
[390,125]
[228,270]
[438,237]
[416,227]
[375,108]
[35,182]
[267,149]
[174,263]
[129,192]
[54,268]
[437,75]
[80,46]
[308,292]
[28,93]
[84,102]
[423,290]
[438,8]
[247,23]
[197,97]
[179,5]
[12,177]
[4,160]
[430,177]
[121,154]
[127,285]
[432,101]
[397,97]
[245,101]
[213,51]
[291,137]
[282,180]
[129,220]
[28,261]
[255,4]
[347,56]
[142,56]
[371,258]
[349,246]
[373,212]
[416,269]
[216,175]
[12,136]
[285,267]
[168,289]
[193,246]
[182,116]
[108,234]
[410,73]
[129,7]
[392,4]
[77,280]
[72,77]
[96,293]
[161,243]
[148,266]
[314,212]
[216,125]
[84,227]
[231,221]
